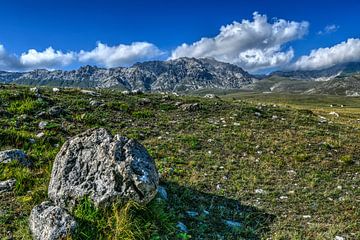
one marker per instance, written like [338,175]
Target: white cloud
[250,44]
[103,55]
[347,51]
[49,58]
[329,29]
[120,55]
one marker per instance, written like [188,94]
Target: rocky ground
[236,167]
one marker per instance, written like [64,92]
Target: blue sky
[161,27]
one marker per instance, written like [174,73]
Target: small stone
[258,114]
[35,90]
[306,216]
[192,213]
[94,103]
[40,135]
[211,96]
[55,111]
[260,191]
[43,124]
[334,114]
[7,186]
[190,107]
[137,92]
[233,224]
[162,193]
[339,238]
[56,90]
[41,114]
[88,92]
[182,227]
[49,222]
[14,155]
[144,101]
[322,119]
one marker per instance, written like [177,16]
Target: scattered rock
[144,101]
[258,114]
[339,238]
[182,227]
[162,193]
[211,96]
[43,124]
[49,222]
[41,115]
[137,92]
[233,224]
[95,103]
[104,168]
[334,114]
[56,90]
[88,92]
[260,191]
[192,214]
[190,107]
[35,90]
[7,186]
[40,135]
[322,119]
[177,104]
[55,111]
[14,155]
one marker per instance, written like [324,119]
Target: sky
[257,35]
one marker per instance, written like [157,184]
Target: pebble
[182,227]
[43,124]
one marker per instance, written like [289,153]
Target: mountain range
[191,74]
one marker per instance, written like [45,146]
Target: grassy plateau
[242,166]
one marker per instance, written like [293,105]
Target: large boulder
[102,167]
[49,222]
[14,155]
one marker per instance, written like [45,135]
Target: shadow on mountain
[217,217]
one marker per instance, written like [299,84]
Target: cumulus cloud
[103,55]
[49,58]
[347,51]
[250,44]
[329,29]
[120,55]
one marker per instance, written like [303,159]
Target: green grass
[282,177]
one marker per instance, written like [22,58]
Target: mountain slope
[173,75]
[323,74]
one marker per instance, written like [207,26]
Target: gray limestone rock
[49,222]
[14,155]
[104,168]
[7,186]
